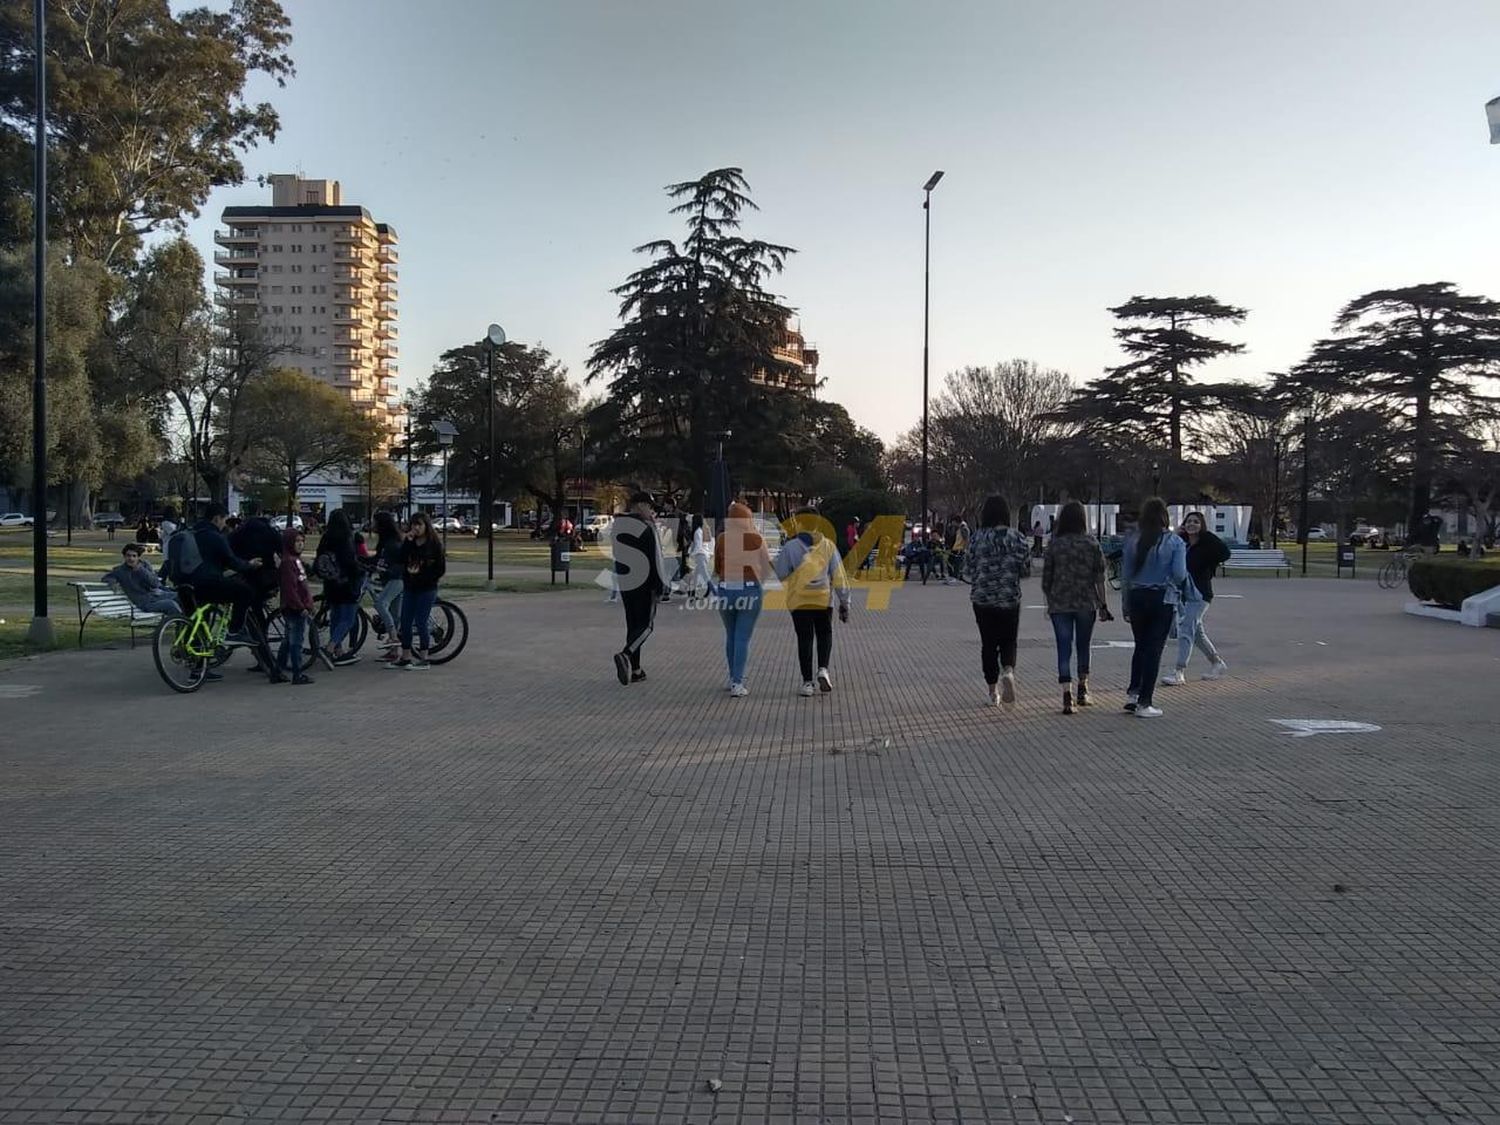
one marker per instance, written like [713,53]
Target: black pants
[226,589]
[813,626]
[640,619]
[998,626]
[1150,622]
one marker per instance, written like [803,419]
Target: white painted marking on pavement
[1305,728]
[1114,644]
[19,691]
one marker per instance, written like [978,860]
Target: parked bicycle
[447,626]
[1393,574]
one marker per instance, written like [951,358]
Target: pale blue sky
[1284,155]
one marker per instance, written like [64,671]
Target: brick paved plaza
[511,890]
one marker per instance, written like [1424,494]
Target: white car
[279,523]
[15,519]
[1316,535]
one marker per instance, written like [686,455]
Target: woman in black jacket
[338,566]
[1206,552]
[423,566]
[389,577]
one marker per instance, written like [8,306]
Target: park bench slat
[102,600]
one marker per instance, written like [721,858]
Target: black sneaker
[638,677]
[298,681]
[212,677]
[622,669]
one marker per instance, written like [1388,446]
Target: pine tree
[1150,397]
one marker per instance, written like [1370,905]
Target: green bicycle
[187,646]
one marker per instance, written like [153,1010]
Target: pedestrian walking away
[1206,552]
[742,563]
[423,565]
[1073,584]
[996,561]
[641,576]
[812,574]
[1154,571]
[702,560]
[296,606]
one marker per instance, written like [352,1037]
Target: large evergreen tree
[699,325]
[1426,354]
[1151,395]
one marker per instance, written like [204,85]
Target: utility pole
[40,633]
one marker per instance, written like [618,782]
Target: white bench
[1243,558]
[99,599]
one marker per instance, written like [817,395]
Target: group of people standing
[1167,585]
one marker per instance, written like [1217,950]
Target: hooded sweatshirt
[811,570]
[296,595]
[740,555]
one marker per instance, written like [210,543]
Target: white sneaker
[1215,672]
[1008,687]
[950,581]
[807,689]
[1174,679]
[739,691]
[728,685]
[1147,712]
[994,692]
[825,681]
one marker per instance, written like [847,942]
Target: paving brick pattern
[510,890]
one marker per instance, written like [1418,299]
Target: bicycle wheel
[455,626]
[360,631]
[276,637]
[181,670]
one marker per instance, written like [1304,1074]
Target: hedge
[1449,582]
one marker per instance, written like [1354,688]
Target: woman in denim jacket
[1154,572]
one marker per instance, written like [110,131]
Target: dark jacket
[1203,558]
[343,590]
[635,540]
[214,550]
[388,558]
[296,595]
[257,539]
[429,560]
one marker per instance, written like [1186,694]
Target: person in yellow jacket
[812,574]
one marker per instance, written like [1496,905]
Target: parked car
[279,523]
[108,519]
[596,528]
[1316,535]
[449,523]
[15,519]
[1367,536]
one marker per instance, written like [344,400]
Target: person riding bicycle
[211,584]
[252,539]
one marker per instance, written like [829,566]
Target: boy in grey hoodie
[812,574]
[137,581]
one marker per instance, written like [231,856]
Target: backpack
[326,567]
[183,557]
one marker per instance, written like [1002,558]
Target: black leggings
[813,625]
[998,626]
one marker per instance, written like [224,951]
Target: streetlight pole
[40,633]
[1306,478]
[495,338]
[932,182]
[1275,483]
[409,509]
[582,437]
[446,432]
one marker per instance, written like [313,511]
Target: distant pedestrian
[702,560]
[684,548]
[1206,552]
[742,564]
[995,563]
[812,575]
[1154,571]
[1073,583]
[640,573]
[296,606]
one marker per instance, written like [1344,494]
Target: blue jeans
[739,608]
[384,603]
[416,610]
[1066,627]
[1190,632]
[340,622]
[1150,622]
[289,655]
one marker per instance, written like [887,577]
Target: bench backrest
[105,600]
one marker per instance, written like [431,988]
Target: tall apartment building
[792,348]
[320,277]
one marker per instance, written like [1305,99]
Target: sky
[1285,156]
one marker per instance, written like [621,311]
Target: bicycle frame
[210,626]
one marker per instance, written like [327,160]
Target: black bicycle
[447,626]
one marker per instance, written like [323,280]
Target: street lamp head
[495,335]
[932,181]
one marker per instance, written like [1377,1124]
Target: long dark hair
[995,513]
[338,526]
[1151,525]
[1072,520]
[385,527]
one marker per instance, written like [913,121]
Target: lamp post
[1306,478]
[409,508]
[40,632]
[495,339]
[582,437]
[932,182]
[1275,482]
[446,432]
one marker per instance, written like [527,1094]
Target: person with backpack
[338,567]
[812,574]
[296,606]
[255,538]
[199,558]
[423,565]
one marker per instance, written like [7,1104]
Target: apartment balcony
[385,273]
[351,256]
[386,330]
[388,370]
[386,252]
[351,277]
[234,258]
[236,277]
[237,236]
[238,298]
[347,235]
[353,297]
[386,350]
